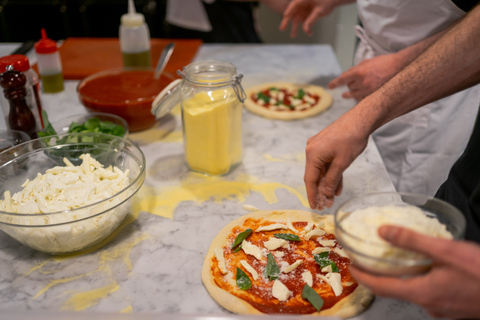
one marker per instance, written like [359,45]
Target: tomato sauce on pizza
[284,100]
[260,294]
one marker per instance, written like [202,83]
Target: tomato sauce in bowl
[125,92]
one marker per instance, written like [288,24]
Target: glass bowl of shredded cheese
[66,207]
[357,222]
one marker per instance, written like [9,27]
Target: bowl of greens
[94,122]
[86,122]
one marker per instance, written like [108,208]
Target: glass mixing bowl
[378,256]
[79,228]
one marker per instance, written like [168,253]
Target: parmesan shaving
[275,226]
[250,269]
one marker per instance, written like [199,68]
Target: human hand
[328,154]
[368,75]
[306,11]
[450,289]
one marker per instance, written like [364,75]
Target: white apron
[418,148]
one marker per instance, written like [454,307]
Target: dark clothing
[465,5]
[232,22]
[462,187]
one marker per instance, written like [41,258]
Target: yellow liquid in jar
[212,126]
[52,83]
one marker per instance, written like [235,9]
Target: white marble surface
[153,264]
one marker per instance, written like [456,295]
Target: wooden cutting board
[82,57]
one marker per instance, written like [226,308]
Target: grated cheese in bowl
[69,208]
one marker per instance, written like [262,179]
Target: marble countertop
[153,264]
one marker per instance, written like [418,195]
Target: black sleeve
[466,5]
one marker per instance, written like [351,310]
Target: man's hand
[450,289]
[328,154]
[368,75]
[306,12]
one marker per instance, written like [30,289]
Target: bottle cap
[18,61]
[45,45]
[132,18]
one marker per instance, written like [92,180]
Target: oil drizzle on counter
[82,300]
[200,188]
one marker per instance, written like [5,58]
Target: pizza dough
[349,305]
[312,100]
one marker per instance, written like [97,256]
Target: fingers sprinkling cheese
[275,226]
[221,260]
[250,269]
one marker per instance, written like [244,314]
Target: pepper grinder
[20,117]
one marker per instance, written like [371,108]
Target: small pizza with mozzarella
[287,101]
[282,262]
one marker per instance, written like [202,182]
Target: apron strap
[371,44]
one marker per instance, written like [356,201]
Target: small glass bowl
[62,125]
[381,257]
[8,139]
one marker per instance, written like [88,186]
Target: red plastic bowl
[125,92]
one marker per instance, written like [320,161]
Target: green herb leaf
[272,271]
[287,236]
[48,129]
[263,96]
[240,237]
[237,249]
[322,260]
[243,281]
[334,267]
[300,94]
[312,296]
[273,89]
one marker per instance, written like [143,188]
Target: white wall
[335,29]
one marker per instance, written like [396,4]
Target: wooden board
[82,57]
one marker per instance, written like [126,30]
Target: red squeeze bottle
[20,117]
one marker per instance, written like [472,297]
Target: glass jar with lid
[211,99]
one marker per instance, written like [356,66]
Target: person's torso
[396,24]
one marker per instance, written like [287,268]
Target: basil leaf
[312,296]
[48,129]
[240,237]
[243,281]
[273,89]
[287,236]
[300,94]
[237,249]
[263,97]
[272,271]
[334,267]
[322,259]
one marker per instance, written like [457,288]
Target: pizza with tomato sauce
[287,101]
[282,262]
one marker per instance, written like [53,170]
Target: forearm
[450,65]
